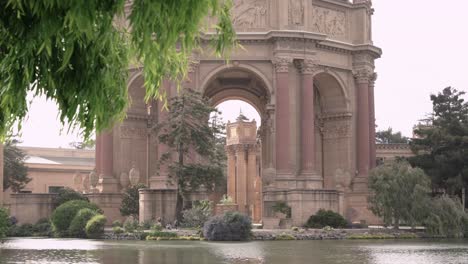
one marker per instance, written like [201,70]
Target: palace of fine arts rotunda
[307,67]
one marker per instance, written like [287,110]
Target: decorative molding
[330,22]
[282,63]
[334,130]
[296,12]
[249,14]
[335,116]
[194,63]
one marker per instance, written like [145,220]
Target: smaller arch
[331,88]
[212,75]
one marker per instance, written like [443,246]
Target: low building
[388,152]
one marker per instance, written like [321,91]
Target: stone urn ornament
[134,176]
[77,181]
[124,180]
[93,180]
[85,183]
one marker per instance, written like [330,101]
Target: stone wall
[28,208]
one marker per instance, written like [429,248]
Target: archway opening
[242,98]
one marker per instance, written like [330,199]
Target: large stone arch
[333,133]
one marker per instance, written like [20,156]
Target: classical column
[97,155]
[1,174]
[372,121]
[283,128]
[107,182]
[308,69]
[241,178]
[363,77]
[231,173]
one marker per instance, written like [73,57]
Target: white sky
[425,49]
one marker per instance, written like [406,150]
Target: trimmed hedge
[95,226]
[325,218]
[232,226]
[78,224]
[62,216]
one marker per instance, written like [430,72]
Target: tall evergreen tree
[15,172]
[442,145]
[390,137]
[194,160]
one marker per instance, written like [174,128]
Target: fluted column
[283,133]
[231,171]
[363,78]
[97,154]
[372,121]
[107,182]
[308,68]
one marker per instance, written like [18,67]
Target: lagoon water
[273,252]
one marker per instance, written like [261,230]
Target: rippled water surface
[288,252]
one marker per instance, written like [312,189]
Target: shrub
[282,207]
[198,215]
[78,224]
[285,236]
[117,223]
[325,218]
[162,234]
[131,201]
[226,200]
[157,227]
[232,226]
[62,215]
[95,226]
[4,221]
[130,224]
[24,230]
[42,228]
[148,224]
[295,228]
[66,194]
[117,230]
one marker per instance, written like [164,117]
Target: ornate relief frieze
[194,63]
[133,132]
[282,63]
[291,44]
[249,14]
[296,12]
[335,116]
[334,130]
[330,22]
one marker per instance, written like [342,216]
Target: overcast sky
[425,49]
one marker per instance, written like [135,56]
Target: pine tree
[442,144]
[15,172]
[193,142]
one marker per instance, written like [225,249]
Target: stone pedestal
[110,205]
[158,203]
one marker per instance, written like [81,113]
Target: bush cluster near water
[325,218]
[95,226]
[42,229]
[4,222]
[232,226]
[70,218]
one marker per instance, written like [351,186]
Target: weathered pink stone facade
[308,68]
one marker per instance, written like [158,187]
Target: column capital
[364,75]
[193,64]
[308,66]
[282,63]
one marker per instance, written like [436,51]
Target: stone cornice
[335,116]
[399,146]
[321,40]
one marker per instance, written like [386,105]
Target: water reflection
[178,252]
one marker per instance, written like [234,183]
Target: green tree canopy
[193,141]
[77,53]
[389,137]
[15,172]
[441,146]
[399,193]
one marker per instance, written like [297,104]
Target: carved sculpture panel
[249,14]
[329,22]
[296,12]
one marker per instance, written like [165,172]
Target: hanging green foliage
[76,54]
